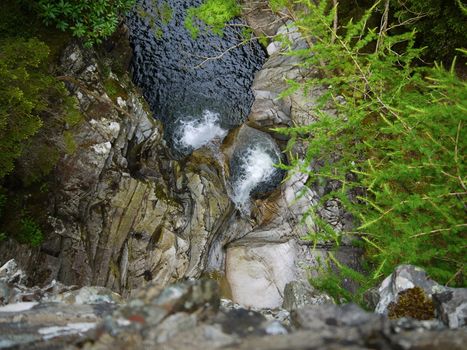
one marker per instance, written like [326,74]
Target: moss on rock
[412,303]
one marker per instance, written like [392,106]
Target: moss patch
[114,90]
[70,143]
[412,303]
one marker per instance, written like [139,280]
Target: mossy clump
[412,303]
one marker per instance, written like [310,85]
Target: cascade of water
[252,167]
[257,168]
[194,133]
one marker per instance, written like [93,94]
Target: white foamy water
[198,133]
[258,167]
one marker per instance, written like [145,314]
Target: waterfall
[194,133]
[252,167]
[257,168]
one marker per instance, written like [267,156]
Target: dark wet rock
[273,317]
[241,322]
[371,298]
[251,165]
[122,213]
[260,18]
[268,109]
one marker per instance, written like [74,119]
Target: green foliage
[2,205]
[35,109]
[29,98]
[164,12]
[22,226]
[212,13]
[22,90]
[332,278]
[277,5]
[91,20]
[30,232]
[162,15]
[2,202]
[70,144]
[73,116]
[397,148]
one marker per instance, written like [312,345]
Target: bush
[22,90]
[91,20]
[396,147]
[2,205]
[31,97]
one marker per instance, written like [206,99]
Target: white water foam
[198,133]
[258,167]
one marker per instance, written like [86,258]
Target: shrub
[2,202]
[441,24]
[22,90]
[2,205]
[396,147]
[30,97]
[91,20]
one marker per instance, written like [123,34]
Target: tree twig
[335,21]
[383,26]
[437,231]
